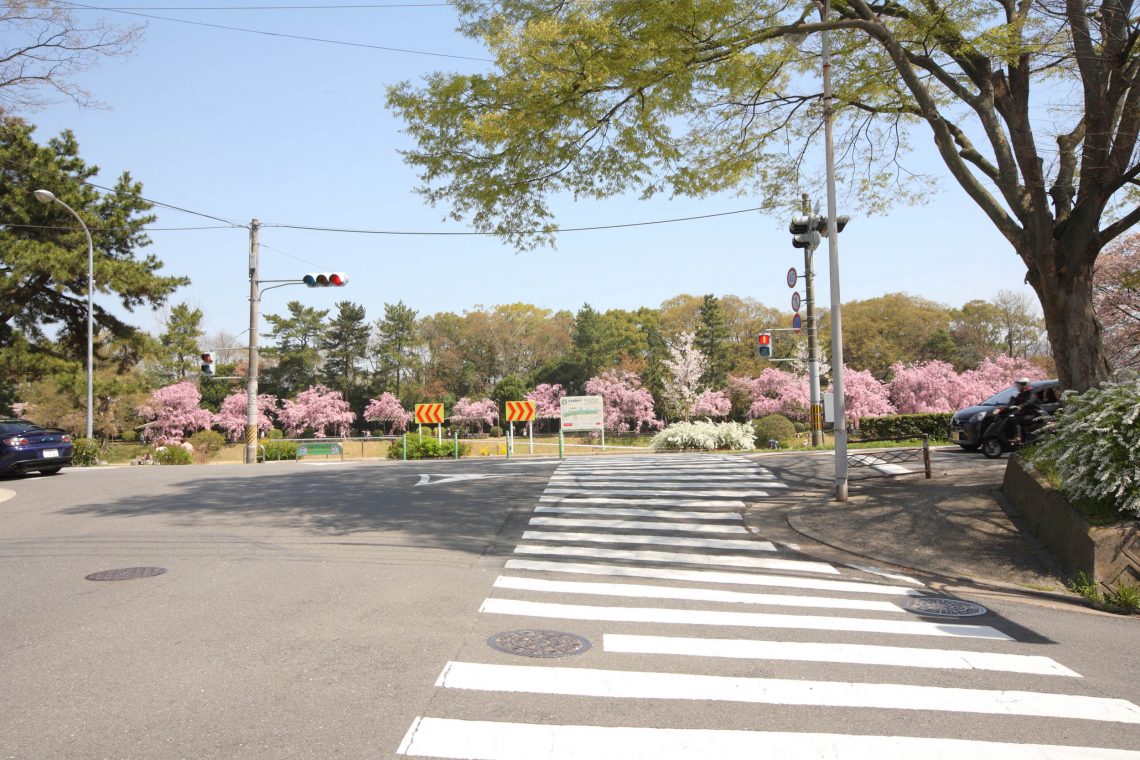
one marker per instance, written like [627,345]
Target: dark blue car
[26,446]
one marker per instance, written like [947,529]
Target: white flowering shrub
[1095,447]
[706,436]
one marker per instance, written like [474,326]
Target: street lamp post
[46,196]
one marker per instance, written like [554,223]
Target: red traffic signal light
[764,343]
[325,279]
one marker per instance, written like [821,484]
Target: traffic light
[208,367]
[805,231]
[325,279]
[764,343]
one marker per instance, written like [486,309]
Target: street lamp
[46,196]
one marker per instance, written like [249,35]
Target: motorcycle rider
[1022,408]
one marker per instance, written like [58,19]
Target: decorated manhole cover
[943,607]
[126,574]
[539,643]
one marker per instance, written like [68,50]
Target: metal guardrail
[892,456]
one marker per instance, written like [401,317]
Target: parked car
[24,446]
[968,424]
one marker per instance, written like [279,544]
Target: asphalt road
[316,611]
[305,612]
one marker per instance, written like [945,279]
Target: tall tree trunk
[1066,294]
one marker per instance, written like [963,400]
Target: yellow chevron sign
[431,414]
[520,411]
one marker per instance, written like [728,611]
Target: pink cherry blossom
[233,413]
[626,405]
[173,411]
[712,404]
[467,411]
[774,391]
[546,400]
[864,396]
[317,408]
[388,409]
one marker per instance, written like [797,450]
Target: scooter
[998,437]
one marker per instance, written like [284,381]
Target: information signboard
[582,413]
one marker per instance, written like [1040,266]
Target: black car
[24,446]
[968,424]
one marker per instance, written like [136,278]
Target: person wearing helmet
[1023,407]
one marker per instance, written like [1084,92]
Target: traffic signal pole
[816,417]
[251,386]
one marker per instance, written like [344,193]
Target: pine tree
[712,341]
[346,346]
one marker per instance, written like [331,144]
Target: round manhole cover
[943,607]
[126,574]
[539,643]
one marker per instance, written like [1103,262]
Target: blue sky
[240,126]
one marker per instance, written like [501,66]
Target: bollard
[561,446]
[457,445]
[926,455]
[405,447]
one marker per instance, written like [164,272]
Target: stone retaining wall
[1109,555]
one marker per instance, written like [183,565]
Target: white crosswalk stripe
[668,621]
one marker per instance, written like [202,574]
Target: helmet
[1023,381]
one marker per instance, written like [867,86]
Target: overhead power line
[280,34]
[468,233]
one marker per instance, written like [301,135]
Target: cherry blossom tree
[864,396]
[173,411]
[774,391]
[388,409]
[467,412]
[686,365]
[991,376]
[233,413]
[711,404]
[318,409]
[627,405]
[1116,290]
[546,398]
[924,387]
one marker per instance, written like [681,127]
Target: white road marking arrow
[437,479]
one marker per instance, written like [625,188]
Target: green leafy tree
[43,259]
[396,343]
[603,98]
[897,327]
[179,342]
[346,347]
[712,341]
[297,341]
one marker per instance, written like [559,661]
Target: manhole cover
[126,574]
[539,643]
[943,607]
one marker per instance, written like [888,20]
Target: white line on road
[723,504]
[860,654]
[657,477]
[574,522]
[710,576]
[488,740]
[742,484]
[669,514]
[738,619]
[738,544]
[734,493]
[635,555]
[776,691]
[642,591]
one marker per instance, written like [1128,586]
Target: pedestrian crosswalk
[710,642]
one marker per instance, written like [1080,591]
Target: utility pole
[816,417]
[251,386]
[833,257]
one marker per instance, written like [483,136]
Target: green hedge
[774,427]
[86,452]
[278,450]
[935,425]
[426,447]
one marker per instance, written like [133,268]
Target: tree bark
[1066,295]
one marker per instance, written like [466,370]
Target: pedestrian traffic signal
[765,345]
[325,279]
[208,367]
